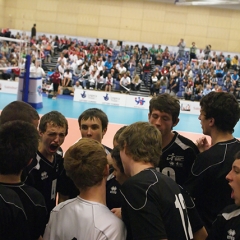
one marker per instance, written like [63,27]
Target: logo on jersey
[175,160]
[44,175]
[231,234]
[113,190]
[140,101]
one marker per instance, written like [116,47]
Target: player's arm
[203,144]
[201,234]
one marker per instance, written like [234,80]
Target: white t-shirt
[81,219]
[77,87]
[36,72]
[125,81]
[68,75]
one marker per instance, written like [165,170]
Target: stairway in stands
[145,92]
[51,66]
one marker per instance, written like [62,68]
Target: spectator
[193,52]
[55,79]
[136,83]
[188,92]
[234,76]
[125,83]
[207,51]
[34,31]
[181,47]
[108,83]
[207,90]
[67,78]
[234,62]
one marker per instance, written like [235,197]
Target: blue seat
[180,94]
[162,89]
[220,81]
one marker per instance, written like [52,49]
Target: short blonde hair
[85,163]
[142,141]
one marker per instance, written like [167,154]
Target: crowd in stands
[105,66]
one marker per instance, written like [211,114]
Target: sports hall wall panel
[130,20]
[1,13]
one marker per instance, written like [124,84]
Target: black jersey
[113,195]
[194,217]
[207,183]
[34,207]
[153,207]
[227,224]
[13,219]
[177,158]
[43,175]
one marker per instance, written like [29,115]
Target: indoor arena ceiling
[228,4]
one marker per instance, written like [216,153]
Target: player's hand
[203,144]
[117,212]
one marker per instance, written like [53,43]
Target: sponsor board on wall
[114,99]
[8,87]
[109,98]
[137,101]
[100,97]
[82,95]
[189,107]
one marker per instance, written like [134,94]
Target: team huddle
[153,184]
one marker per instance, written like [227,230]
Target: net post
[26,79]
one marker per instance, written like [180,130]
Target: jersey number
[169,172]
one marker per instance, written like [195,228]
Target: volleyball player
[178,152]
[18,110]
[199,232]
[153,206]
[93,124]
[86,216]
[18,145]
[12,216]
[226,226]
[207,185]
[46,172]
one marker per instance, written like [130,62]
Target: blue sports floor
[121,115]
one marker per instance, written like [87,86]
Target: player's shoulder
[107,149]
[231,211]
[64,205]
[185,142]
[34,195]
[10,197]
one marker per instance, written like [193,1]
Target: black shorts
[55,87]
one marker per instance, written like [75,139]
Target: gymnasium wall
[1,12]
[131,20]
